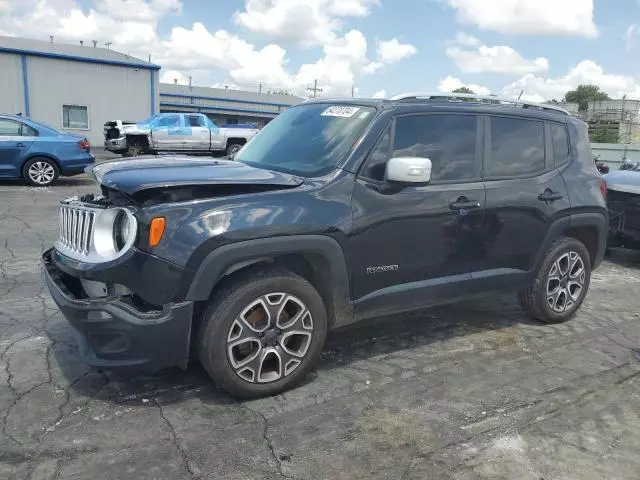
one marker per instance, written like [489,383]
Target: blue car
[39,153]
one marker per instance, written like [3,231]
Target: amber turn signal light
[156,231]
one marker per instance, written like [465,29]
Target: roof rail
[479,98]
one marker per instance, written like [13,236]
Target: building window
[75,116]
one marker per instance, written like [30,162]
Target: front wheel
[262,332]
[40,172]
[561,284]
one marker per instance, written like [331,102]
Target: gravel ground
[467,391]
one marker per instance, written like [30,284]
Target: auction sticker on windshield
[340,111]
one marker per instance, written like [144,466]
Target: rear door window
[517,148]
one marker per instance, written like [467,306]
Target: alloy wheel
[270,338]
[41,173]
[565,282]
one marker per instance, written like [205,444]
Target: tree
[585,94]
[463,90]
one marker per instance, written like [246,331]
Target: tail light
[84,144]
[603,187]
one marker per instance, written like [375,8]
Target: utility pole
[108,45]
[353,90]
[189,81]
[259,88]
[315,88]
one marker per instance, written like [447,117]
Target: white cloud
[449,84]
[174,76]
[588,72]
[466,40]
[391,51]
[498,59]
[306,22]
[380,94]
[529,17]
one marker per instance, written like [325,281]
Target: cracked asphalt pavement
[467,391]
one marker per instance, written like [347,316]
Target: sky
[542,48]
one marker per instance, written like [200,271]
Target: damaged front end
[104,285]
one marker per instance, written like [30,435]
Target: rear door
[15,140]
[525,193]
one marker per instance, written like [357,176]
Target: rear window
[560,143]
[517,147]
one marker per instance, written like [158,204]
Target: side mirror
[408,170]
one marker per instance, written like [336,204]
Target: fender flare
[597,220]
[226,258]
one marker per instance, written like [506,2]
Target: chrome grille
[76,228]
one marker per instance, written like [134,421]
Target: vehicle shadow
[624,257]
[358,342]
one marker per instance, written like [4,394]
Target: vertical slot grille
[76,228]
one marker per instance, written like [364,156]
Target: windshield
[307,140]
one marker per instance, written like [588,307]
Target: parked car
[38,153]
[337,211]
[192,133]
[623,201]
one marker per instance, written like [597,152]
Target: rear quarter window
[560,143]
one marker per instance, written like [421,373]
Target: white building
[75,88]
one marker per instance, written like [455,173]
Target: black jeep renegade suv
[338,211]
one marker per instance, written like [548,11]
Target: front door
[15,140]
[169,134]
[525,190]
[415,245]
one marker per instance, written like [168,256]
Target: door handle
[550,196]
[20,145]
[464,204]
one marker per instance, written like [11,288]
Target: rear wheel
[40,172]
[561,283]
[232,149]
[262,332]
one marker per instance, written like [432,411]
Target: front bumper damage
[115,331]
[116,144]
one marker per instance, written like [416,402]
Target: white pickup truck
[174,132]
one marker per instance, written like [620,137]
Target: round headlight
[114,232]
[121,230]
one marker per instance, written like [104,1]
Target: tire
[40,172]
[232,149]
[561,267]
[242,351]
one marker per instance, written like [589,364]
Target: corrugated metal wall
[11,85]
[110,92]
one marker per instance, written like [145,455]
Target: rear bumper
[113,333]
[76,166]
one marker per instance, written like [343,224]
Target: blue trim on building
[152,74]
[25,86]
[76,58]
[214,109]
[223,99]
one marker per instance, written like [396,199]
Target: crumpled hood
[627,181]
[145,173]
